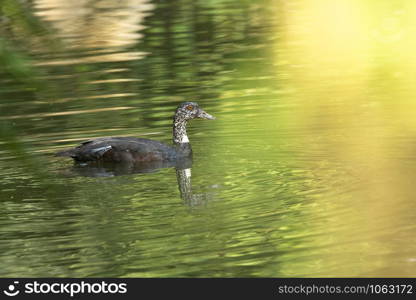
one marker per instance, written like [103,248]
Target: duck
[140,150]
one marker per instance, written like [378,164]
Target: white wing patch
[101,150]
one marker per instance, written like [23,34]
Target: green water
[307,171]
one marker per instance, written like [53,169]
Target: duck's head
[191,110]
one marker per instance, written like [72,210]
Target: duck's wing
[119,149]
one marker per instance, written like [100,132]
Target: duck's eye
[189,107]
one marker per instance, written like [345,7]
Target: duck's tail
[66,153]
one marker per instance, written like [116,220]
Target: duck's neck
[180,138]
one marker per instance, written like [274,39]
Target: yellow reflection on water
[66,113]
[351,65]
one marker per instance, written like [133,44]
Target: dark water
[307,171]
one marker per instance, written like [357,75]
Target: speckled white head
[186,111]
[191,110]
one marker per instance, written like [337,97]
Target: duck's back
[119,149]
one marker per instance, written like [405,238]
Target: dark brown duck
[130,149]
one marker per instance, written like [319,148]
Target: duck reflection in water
[183,169]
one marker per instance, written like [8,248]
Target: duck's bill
[203,115]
